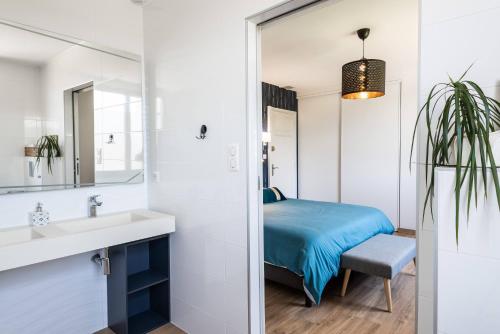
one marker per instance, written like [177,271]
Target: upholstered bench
[382,255]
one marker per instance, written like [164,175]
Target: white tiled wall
[195,56]
[63,296]
[445,24]
[20,117]
[64,288]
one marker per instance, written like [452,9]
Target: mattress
[309,237]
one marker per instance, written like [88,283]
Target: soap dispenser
[39,217]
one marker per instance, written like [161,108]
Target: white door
[83,117]
[370,150]
[282,151]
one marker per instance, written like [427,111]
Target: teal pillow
[273,194]
[269,196]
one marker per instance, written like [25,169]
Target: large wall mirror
[70,113]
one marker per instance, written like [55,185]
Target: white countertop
[23,246]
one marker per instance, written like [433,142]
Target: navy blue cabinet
[139,286]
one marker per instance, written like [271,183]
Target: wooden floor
[362,311]
[167,329]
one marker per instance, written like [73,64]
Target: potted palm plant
[459,120]
[48,147]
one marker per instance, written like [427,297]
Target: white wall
[114,23]
[195,56]
[444,25]
[370,153]
[319,147]
[20,116]
[467,274]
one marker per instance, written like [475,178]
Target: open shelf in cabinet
[139,286]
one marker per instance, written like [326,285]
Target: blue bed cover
[308,237]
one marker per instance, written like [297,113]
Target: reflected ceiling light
[364,78]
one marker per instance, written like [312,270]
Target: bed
[304,240]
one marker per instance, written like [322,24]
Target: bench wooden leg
[388,297]
[346,280]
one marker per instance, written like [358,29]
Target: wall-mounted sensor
[203,132]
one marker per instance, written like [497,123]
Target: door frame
[255,222]
[71,131]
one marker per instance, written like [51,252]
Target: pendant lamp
[364,78]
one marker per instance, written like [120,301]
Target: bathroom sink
[29,245]
[18,235]
[84,225]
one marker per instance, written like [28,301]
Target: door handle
[273,167]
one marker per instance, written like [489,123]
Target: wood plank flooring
[363,310]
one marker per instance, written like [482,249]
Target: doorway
[256,231]
[79,118]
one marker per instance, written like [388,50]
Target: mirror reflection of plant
[467,118]
[48,147]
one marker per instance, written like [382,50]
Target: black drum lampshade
[364,78]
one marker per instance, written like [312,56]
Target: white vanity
[23,246]
[135,256]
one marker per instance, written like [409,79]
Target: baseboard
[406,231]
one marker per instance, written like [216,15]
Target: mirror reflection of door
[83,116]
[283,151]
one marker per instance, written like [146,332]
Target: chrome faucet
[94,202]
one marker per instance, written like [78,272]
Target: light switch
[234,157]
[233,150]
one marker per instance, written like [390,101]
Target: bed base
[286,277]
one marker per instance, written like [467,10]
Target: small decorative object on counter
[39,217]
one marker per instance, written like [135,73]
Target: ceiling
[27,47]
[306,50]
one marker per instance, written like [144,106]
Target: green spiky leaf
[48,147]
[459,116]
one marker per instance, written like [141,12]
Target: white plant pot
[495,147]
